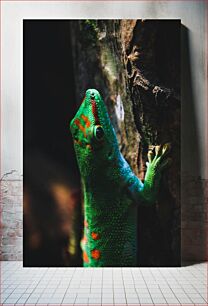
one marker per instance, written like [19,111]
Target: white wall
[192,15]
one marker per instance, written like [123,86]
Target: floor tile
[120,286]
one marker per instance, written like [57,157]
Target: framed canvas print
[102,153]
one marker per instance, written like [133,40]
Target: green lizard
[111,189]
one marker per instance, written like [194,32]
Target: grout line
[147,287]
[135,287]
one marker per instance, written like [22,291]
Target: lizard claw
[150,155]
[158,150]
[162,150]
[158,159]
[163,162]
[166,148]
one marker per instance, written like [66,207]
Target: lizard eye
[98,132]
[92,95]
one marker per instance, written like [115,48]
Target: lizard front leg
[155,165]
[146,192]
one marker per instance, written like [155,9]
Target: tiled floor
[107,286]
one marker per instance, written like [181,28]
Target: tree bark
[135,64]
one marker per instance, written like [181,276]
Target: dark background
[49,160]
[49,92]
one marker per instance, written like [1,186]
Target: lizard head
[92,132]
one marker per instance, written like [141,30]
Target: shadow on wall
[193,234]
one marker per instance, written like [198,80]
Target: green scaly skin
[111,190]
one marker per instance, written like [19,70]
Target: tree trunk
[135,64]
